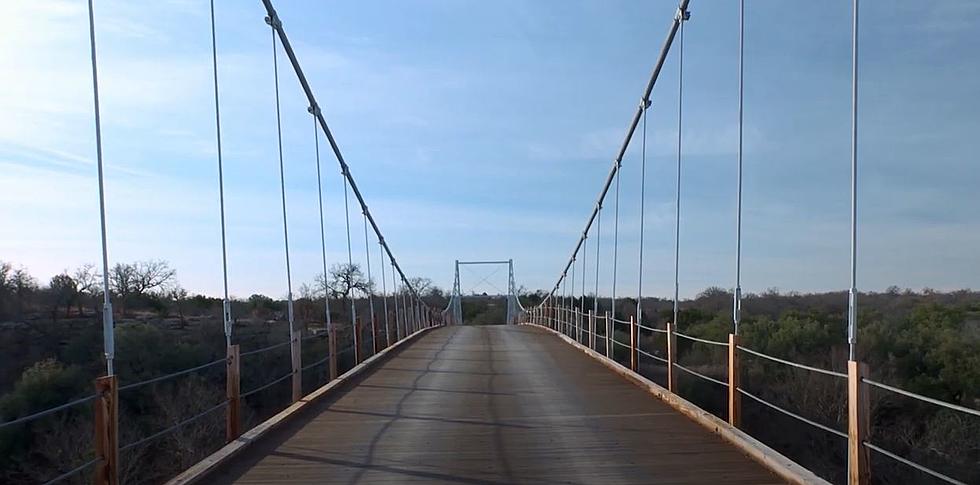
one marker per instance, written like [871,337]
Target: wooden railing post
[591,330]
[332,349]
[858,413]
[388,323]
[734,397]
[296,356]
[357,340]
[633,340]
[107,430]
[374,335]
[233,393]
[671,358]
[609,327]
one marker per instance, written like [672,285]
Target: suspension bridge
[568,390]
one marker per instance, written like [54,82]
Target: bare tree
[89,287]
[423,286]
[139,278]
[178,294]
[345,279]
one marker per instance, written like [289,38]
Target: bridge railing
[564,309]
[569,321]
[410,311]
[104,461]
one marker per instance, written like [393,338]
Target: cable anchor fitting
[273,20]
[314,110]
[682,15]
[644,105]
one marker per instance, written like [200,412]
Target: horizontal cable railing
[792,414]
[315,335]
[701,340]
[267,385]
[41,414]
[698,374]
[937,402]
[172,375]
[913,464]
[793,364]
[317,363]
[265,349]
[654,357]
[173,427]
[650,329]
[72,472]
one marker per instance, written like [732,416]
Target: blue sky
[483,130]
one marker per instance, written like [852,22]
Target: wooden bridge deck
[491,405]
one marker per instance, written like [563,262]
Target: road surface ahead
[491,405]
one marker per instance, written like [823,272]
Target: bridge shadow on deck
[490,405]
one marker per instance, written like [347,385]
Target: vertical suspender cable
[226,303]
[323,237]
[585,274]
[643,190]
[405,308]
[598,239]
[384,292]
[677,200]
[282,186]
[370,283]
[612,298]
[108,331]
[394,296]
[852,292]
[571,291]
[737,303]
[350,255]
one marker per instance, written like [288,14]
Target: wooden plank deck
[491,405]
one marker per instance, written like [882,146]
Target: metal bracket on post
[108,335]
[226,317]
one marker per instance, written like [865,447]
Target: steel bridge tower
[454,310]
